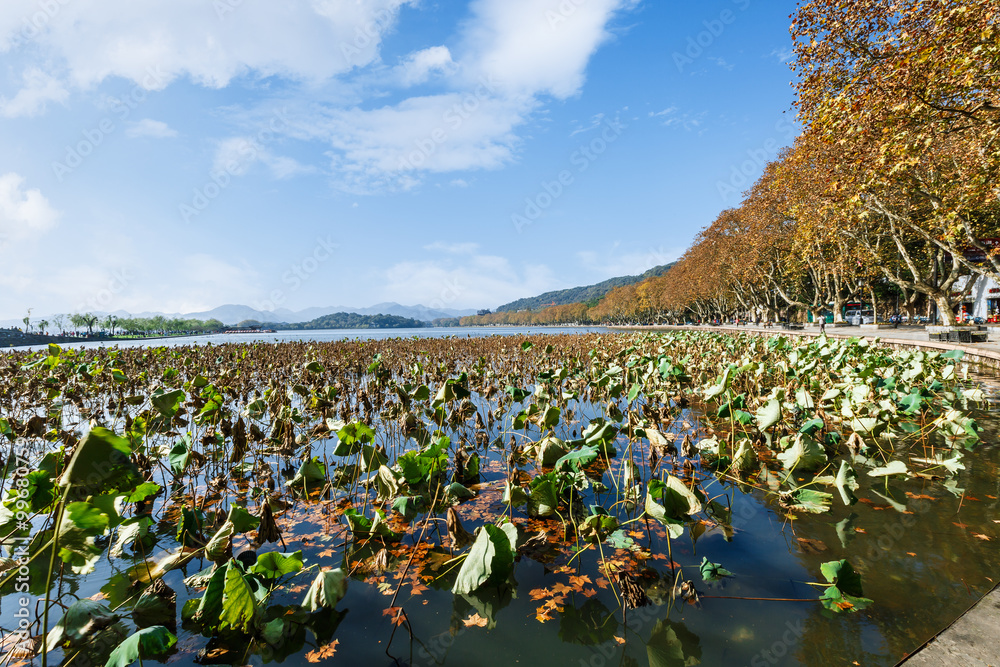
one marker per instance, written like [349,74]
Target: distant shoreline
[15,340]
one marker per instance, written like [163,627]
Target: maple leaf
[323,652]
[981,536]
[620,640]
[475,621]
[396,613]
[561,588]
[539,593]
[578,582]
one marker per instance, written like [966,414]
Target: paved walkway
[971,641]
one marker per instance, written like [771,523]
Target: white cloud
[150,129]
[783,54]
[669,111]
[595,122]
[283,167]
[236,155]
[511,54]
[420,66]
[389,147]
[607,263]
[671,118]
[470,282]
[453,248]
[536,47]
[39,89]
[23,213]
[156,41]
[722,62]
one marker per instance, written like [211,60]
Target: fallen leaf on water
[396,613]
[539,593]
[620,640]
[809,546]
[475,621]
[963,526]
[981,536]
[542,615]
[910,553]
[323,652]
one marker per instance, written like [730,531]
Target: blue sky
[177,155]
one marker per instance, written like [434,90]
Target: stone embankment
[15,338]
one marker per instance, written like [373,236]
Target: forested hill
[353,321]
[589,294]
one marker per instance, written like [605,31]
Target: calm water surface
[925,552]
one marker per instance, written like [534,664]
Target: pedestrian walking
[822,324]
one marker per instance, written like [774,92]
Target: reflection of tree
[590,625]
[673,645]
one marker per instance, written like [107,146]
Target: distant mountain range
[234,314]
[589,294]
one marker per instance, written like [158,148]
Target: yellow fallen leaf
[475,621]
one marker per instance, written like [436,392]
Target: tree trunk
[943,301]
